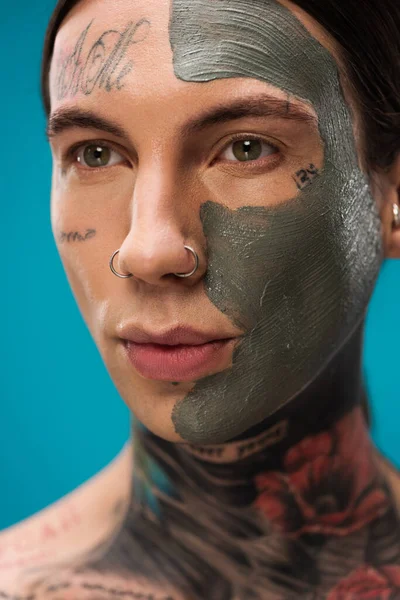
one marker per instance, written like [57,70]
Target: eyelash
[71,155]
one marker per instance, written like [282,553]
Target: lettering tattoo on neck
[103,65]
[230,453]
[121,593]
[5,596]
[105,592]
[75,236]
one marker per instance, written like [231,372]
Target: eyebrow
[67,118]
[259,106]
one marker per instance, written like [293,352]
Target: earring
[396,216]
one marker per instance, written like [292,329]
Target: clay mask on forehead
[296,277]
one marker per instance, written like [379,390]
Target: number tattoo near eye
[305,177]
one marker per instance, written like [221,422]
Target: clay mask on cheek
[297,277]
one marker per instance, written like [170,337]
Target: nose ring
[182,275]
[196,264]
[121,275]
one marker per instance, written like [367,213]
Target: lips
[173,337]
[180,354]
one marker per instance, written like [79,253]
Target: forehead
[120,38]
[136,46]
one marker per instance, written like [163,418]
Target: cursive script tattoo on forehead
[102,65]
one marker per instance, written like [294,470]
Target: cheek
[88,223]
[235,189]
[91,198]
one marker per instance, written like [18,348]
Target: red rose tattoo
[322,491]
[367,583]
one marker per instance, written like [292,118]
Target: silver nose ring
[182,275]
[196,264]
[121,275]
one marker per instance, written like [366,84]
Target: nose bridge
[155,199]
[162,223]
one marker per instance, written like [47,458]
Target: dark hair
[368,34]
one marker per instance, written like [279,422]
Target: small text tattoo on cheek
[102,65]
[75,236]
[304,177]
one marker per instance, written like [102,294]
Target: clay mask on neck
[297,277]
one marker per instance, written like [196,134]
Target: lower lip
[178,363]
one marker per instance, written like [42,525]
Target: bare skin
[72,525]
[305,490]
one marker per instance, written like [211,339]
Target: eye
[246,150]
[98,155]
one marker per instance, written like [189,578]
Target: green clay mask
[296,277]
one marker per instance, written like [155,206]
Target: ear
[388,187]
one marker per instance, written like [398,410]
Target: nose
[164,219]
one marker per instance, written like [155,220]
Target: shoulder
[69,528]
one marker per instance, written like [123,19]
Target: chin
[163,429]
[152,410]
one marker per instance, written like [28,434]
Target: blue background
[61,417]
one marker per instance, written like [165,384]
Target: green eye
[96,156]
[247,149]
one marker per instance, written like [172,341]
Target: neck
[304,480]
[335,399]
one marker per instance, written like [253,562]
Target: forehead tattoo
[297,277]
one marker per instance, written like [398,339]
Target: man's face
[233,137]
